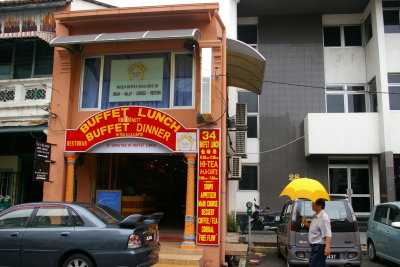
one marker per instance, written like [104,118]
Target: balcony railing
[24,100]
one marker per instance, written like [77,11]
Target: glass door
[352,182]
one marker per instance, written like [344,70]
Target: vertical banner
[208,187]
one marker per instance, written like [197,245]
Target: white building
[330,105]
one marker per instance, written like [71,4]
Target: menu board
[208,187]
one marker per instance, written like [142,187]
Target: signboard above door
[131,122]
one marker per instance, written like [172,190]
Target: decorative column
[69,184]
[190,218]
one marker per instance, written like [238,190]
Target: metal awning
[24,128]
[245,66]
[75,41]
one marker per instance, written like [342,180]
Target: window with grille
[35,93]
[7,94]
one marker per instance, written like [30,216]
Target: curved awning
[245,66]
[70,42]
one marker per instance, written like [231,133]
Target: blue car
[61,234]
[383,234]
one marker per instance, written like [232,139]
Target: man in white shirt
[319,234]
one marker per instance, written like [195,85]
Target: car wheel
[78,260]
[372,251]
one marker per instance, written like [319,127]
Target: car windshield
[336,210]
[106,214]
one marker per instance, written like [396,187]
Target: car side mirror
[396,225]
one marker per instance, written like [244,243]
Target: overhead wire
[298,85]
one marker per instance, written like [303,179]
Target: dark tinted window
[394,78]
[252,128]
[16,218]
[394,97]
[391,20]
[106,214]
[332,36]
[373,98]
[368,28]
[352,36]
[251,99]
[249,179]
[6,56]
[381,214]
[391,3]
[394,215]
[91,82]
[77,219]
[335,103]
[23,59]
[44,60]
[356,103]
[247,34]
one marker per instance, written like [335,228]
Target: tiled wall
[292,46]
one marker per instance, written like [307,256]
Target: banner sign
[134,80]
[41,170]
[208,187]
[42,150]
[131,122]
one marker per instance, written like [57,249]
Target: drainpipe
[223,144]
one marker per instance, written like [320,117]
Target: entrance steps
[172,255]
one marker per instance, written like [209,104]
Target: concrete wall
[342,134]
[392,42]
[344,65]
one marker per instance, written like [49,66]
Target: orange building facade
[138,116]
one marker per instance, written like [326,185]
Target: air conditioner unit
[241,116]
[240,142]
[235,167]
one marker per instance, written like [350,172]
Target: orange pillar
[69,184]
[190,219]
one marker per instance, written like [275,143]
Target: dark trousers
[317,256]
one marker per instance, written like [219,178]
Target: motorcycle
[261,220]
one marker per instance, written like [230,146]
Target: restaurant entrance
[148,183]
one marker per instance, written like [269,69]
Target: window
[52,217]
[381,214]
[335,36]
[25,58]
[138,80]
[394,215]
[367,29]
[347,99]
[251,100]
[16,218]
[391,16]
[248,34]
[373,99]
[249,179]
[394,90]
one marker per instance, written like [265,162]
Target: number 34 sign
[208,187]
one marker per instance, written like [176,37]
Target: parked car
[76,235]
[383,234]
[292,235]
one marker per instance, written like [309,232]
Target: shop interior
[149,183]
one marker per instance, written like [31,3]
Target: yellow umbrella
[305,188]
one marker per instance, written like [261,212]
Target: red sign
[131,122]
[208,187]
